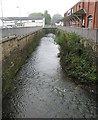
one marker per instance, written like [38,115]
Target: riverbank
[15,52]
[76,60]
[44,91]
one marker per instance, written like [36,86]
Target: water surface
[43,91]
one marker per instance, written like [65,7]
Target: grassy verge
[75,59]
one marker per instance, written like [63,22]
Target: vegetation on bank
[49,30]
[75,59]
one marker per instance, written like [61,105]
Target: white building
[23,21]
[59,23]
[0,22]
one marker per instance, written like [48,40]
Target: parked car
[9,26]
[1,27]
[14,26]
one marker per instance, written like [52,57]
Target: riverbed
[44,91]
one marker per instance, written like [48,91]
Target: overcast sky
[29,6]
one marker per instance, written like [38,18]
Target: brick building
[83,14]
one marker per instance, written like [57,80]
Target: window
[72,11]
[79,6]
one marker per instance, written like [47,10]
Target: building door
[90,21]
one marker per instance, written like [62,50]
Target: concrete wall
[83,32]
[19,31]
[15,51]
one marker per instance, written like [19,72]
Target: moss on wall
[15,52]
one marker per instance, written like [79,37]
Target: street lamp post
[19,13]
[2,13]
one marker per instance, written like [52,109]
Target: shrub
[75,59]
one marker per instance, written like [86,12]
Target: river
[44,91]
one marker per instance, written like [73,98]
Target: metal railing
[83,32]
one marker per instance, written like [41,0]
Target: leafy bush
[75,59]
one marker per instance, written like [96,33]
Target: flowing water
[43,91]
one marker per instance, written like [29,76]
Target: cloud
[29,6]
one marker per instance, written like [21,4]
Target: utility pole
[2,13]
[19,13]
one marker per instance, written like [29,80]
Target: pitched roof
[22,18]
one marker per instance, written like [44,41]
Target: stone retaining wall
[14,53]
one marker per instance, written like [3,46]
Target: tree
[47,17]
[36,14]
[55,18]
